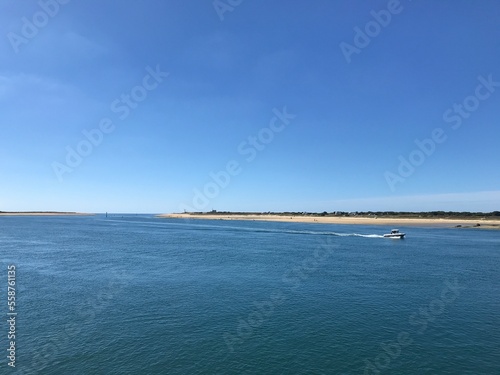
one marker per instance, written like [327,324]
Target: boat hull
[395,236]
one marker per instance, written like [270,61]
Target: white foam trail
[249,229]
[370,235]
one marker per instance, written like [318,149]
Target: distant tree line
[384,214]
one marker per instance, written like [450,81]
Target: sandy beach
[390,222]
[43,214]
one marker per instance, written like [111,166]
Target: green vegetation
[372,214]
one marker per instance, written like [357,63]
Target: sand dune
[392,222]
[42,213]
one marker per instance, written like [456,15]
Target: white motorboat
[395,233]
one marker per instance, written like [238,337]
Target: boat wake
[369,235]
[335,234]
[287,231]
[209,227]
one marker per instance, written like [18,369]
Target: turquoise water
[142,295]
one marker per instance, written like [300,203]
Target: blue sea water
[135,294]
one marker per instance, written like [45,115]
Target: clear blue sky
[202,79]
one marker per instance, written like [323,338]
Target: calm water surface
[142,295]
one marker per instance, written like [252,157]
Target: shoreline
[424,222]
[44,213]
